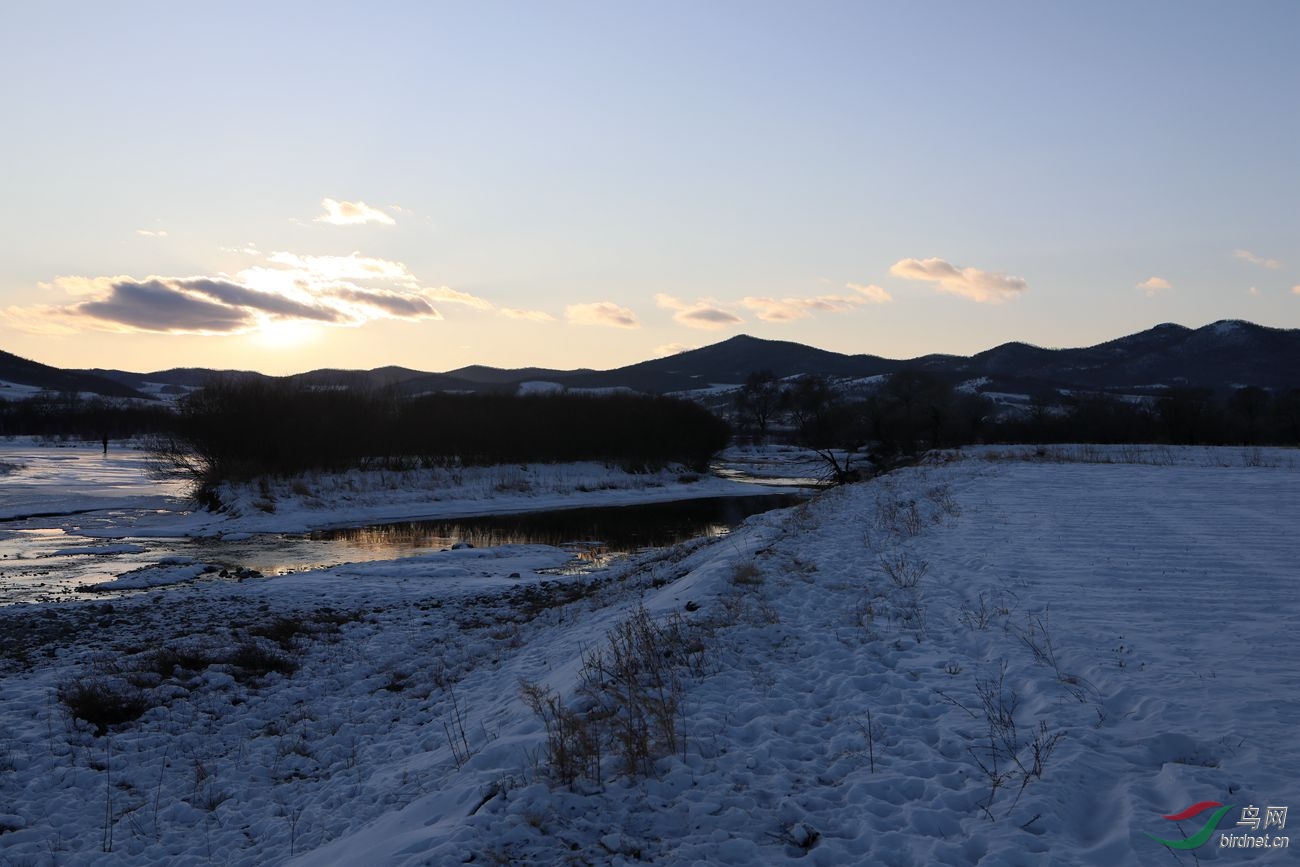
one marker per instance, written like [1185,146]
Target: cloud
[1154,286]
[668,349]
[235,296]
[354,266]
[790,309]
[351,214]
[286,287]
[282,287]
[1295,290]
[152,233]
[395,305]
[776,310]
[703,314]
[871,292]
[1247,256]
[984,287]
[527,315]
[452,296]
[601,313]
[159,305]
[187,305]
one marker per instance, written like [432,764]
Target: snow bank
[992,662]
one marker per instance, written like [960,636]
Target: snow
[1139,603]
[318,501]
[151,576]
[774,464]
[972,386]
[540,387]
[604,390]
[17,390]
[78,477]
[1228,327]
[713,389]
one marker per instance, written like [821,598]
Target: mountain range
[1222,356]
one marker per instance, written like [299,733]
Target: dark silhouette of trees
[825,421]
[1285,418]
[1190,416]
[69,414]
[916,410]
[758,401]
[1248,412]
[245,428]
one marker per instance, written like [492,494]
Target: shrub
[255,658]
[103,702]
[628,703]
[746,574]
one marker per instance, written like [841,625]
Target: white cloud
[790,309]
[984,287]
[668,349]
[871,292]
[703,314]
[354,266]
[776,310]
[152,233]
[351,214]
[83,285]
[1155,285]
[452,296]
[527,315]
[1247,256]
[604,313]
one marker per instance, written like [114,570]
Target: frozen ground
[869,677]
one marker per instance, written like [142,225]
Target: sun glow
[284,333]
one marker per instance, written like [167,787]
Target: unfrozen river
[58,505]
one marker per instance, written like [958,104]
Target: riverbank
[1115,636]
[56,480]
[105,521]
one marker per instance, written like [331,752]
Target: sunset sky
[286,186]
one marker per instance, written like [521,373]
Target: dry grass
[628,704]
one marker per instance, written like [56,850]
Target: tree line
[240,429]
[70,415]
[914,410]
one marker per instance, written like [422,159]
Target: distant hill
[730,361]
[21,371]
[1222,356]
[187,377]
[497,376]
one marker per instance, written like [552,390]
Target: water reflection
[42,563]
[616,530]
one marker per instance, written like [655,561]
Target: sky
[288,186]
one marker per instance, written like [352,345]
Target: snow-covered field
[1010,658]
